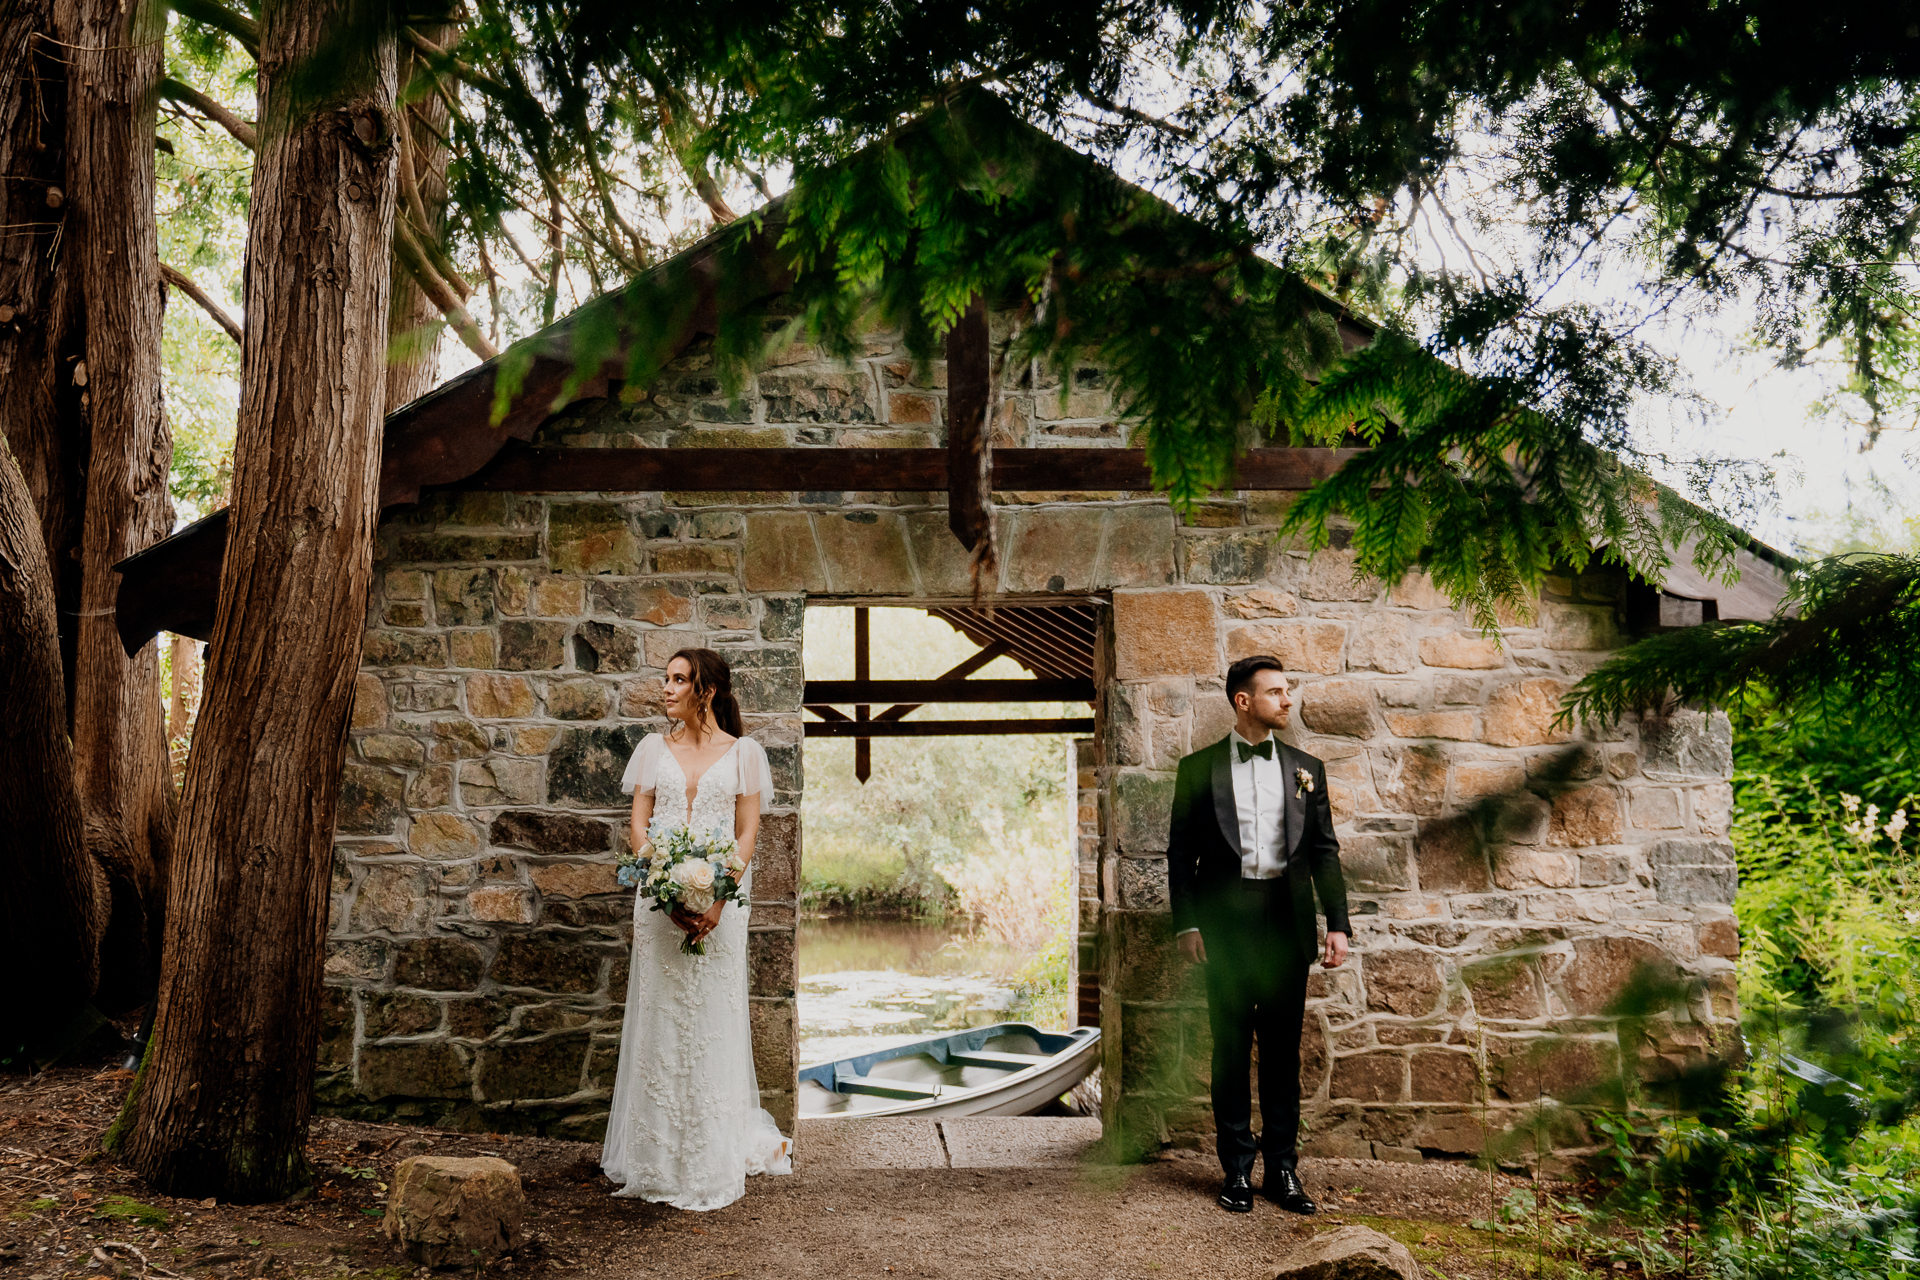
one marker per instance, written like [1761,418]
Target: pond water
[868,984]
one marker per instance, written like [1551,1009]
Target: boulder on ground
[455,1211]
[1351,1253]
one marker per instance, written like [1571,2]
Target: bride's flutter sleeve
[756,775]
[643,767]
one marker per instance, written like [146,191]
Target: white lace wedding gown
[687,1126]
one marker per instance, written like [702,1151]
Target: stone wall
[1506,876]
[513,657]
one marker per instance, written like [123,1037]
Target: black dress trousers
[1256,991]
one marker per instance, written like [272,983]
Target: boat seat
[886,1088]
[998,1061]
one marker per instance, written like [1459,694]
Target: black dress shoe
[1283,1187]
[1237,1195]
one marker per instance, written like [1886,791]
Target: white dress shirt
[1260,800]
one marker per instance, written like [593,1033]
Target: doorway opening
[947,812]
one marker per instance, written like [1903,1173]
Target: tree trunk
[110,261]
[413,361]
[54,910]
[227,1090]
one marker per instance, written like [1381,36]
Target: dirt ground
[68,1211]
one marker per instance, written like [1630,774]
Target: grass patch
[31,1207]
[125,1209]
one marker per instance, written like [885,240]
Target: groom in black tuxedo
[1251,843]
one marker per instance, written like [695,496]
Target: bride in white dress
[687,1126]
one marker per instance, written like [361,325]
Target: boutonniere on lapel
[1302,783]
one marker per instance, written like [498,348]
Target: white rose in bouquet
[698,874]
[697,900]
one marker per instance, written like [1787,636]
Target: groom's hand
[1192,947]
[1336,951]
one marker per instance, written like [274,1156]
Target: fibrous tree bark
[413,361]
[110,282]
[226,1092]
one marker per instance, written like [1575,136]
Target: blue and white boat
[1008,1069]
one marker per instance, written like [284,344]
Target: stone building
[1506,876]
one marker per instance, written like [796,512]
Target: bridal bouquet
[684,870]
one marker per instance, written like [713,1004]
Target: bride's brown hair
[713,684]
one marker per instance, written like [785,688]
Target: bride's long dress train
[686,1126]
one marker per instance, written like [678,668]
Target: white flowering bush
[685,870]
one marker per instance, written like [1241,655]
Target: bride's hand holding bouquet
[689,874]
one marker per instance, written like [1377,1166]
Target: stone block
[1457,725]
[1534,868]
[549,832]
[1451,1133]
[586,765]
[1228,558]
[591,538]
[1687,746]
[582,699]
[1330,576]
[396,1013]
[369,702]
[502,904]
[768,689]
[1141,805]
[573,879]
[606,647]
[1521,714]
[391,898]
[358,958]
[402,649]
[415,1069]
[1339,708]
[439,964]
[782,617]
[779,553]
[463,597]
[557,597]
[1451,857]
[1375,864]
[1444,1075]
[1693,872]
[1369,1077]
[1350,1253]
[1505,987]
[726,613]
[547,963]
[1411,779]
[1565,1069]
[776,857]
[663,604]
[1164,633]
[1262,602]
[1383,642]
[1139,548]
[369,801]
[1403,982]
[1053,549]
[864,552]
[501,779]
[521,1070]
[1143,884]
[773,967]
[776,1041]
[1477,779]
[1601,967]
[492,697]
[1605,869]
[1656,808]
[442,835]
[1308,645]
[532,646]
[837,395]
[336,1029]
[406,584]
[1580,628]
[1472,652]
[455,1211]
[1719,938]
[1586,816]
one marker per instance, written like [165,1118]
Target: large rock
[1351,1253]
[455,1211]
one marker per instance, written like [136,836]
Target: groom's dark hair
[1241,673]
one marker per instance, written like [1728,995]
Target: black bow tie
[1249,750]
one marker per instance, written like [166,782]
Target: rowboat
[1007,1069]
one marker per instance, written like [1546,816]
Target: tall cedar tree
[223,1102]
[80,355]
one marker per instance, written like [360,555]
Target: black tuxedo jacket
[1203,842]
